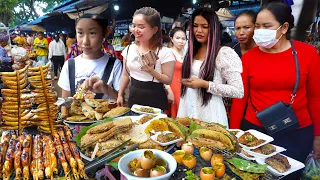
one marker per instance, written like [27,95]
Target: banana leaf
[243,174]
[247,166]
[84,130]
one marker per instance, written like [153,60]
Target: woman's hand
[96,85]
[120,100]
[147,68]
[195,83]
[170,96]
[316,147]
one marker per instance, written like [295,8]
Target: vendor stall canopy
[61,17]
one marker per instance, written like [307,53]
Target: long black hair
[209,64]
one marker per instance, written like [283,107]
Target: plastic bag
[312,169]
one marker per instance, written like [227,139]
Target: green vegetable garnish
[191,176]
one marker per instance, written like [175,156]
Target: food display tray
[181,169]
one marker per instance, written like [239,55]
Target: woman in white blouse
[146,79]
[209,72]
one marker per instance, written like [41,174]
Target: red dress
[269,78]
[176,87]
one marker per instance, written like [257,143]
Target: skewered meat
[279,162]
[3,150]
[37,167]
[50,160]
[68,154]
[61,156]
[8,164]
[17,155]
[26,156]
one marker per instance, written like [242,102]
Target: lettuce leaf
[247,166]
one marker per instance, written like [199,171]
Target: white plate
[154,138]
[246,157]
[262,156]
[258,135]
[295,166]
[135,119]
[135,108]
[156,117]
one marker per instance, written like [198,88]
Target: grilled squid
[8,164]
[26,156]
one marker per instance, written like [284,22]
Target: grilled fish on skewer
[14,83]
[38,68]
[12,91]
[13,78]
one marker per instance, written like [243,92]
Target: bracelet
[159,77]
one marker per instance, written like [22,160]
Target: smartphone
[150,57]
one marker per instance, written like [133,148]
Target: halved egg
[205,153]
[157,171]
[207,173]
[148,159]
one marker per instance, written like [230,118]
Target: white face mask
[266,38]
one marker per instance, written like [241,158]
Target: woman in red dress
[178,38]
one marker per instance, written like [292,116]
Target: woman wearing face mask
[147,80]
[244,27]
[209,72]
[269,75]
[178,39]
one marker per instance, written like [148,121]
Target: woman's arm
[230,67]
[124,79]
[167,72]
[65,94]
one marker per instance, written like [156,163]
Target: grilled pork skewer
[8,164]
